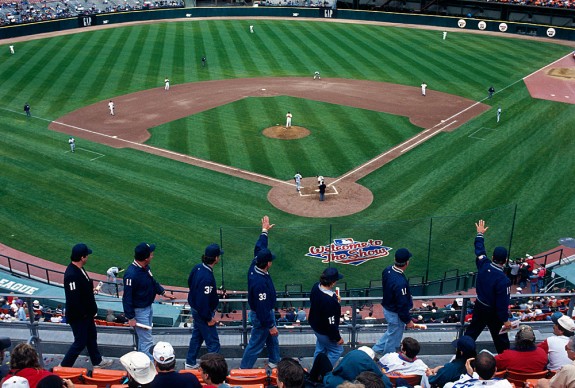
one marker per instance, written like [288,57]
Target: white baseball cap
[367,350]
[566,323]
[16,382]
[164,353]
[139,366]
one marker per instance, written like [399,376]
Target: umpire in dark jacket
[80,309]
[493,293]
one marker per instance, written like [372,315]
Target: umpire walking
[81,308]
[493,293]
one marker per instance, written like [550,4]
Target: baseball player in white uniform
[498,113]
[316,75]
[252,29]
[423,88]
[112,274]
[297,179]
[72,143]
[111,106]
[444,35]
[288,119]
[12,49]
[167,84]
[319,179]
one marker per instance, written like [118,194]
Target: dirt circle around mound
[283,133]
[342,198]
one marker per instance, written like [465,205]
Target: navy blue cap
[213,250]
[79,251]
[465,343]
[402,256]
[555,317]
[143,251]
[331,274]
[500,254]
[264,256]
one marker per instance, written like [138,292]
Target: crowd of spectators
[539,3]
[31,11]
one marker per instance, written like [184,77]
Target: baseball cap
[367,350]
[16,382]
[213,250]
[80,250]
[139,366]
[525,333]
[555,316]
[331,274]
[500,254]
[402,256]
[464,343]
[143,250]
[164,353]
[264,256]
[36,303]
[566,323]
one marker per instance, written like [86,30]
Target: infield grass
[52,199]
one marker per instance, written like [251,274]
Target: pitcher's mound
[281,132]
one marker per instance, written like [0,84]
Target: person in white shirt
[480,372]
[406,361]
[554,346]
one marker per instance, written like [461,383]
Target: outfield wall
[476,24]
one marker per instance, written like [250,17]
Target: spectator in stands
[121,318]
[24,362]
[55,381]
[369,380]
[262,299]
[514,272]
[396,303]
[141,370]
[16,382]
[354,363]
[541,272]
[165,362]
[301,316]
[4,304]
[480,373]
[290,374]
[214,370]
[405,362]
[566,376]
[492,304]
[48,315]
[523,274]
[5,344]
[290,315]
[203,300]
[533,281]
[525,357]
[80,309]
[324,315]
[21,313]
[450,372]
[554,346]
[140,290]
[38,310]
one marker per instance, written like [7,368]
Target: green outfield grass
[52,199]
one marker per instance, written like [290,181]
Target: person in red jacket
[24,362]
[525,357]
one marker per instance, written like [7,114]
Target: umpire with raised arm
[493,293]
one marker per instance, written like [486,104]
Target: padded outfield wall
[464,23]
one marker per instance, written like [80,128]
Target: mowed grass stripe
[285,50]
[237,43]
[133,59]
[264,51]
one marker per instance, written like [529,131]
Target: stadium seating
[105,377]
[412,380]
[247,376]
[518,379]
[195,372]
[74,374]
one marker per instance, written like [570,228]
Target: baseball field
[205,171]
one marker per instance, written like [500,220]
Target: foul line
[161,150]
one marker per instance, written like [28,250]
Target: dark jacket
[140,289]
[493,287]
[203,295]
[79,291]
[350,366]
[261,290]
[396,293]
[324,313]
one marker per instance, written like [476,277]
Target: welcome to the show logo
[349,251]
